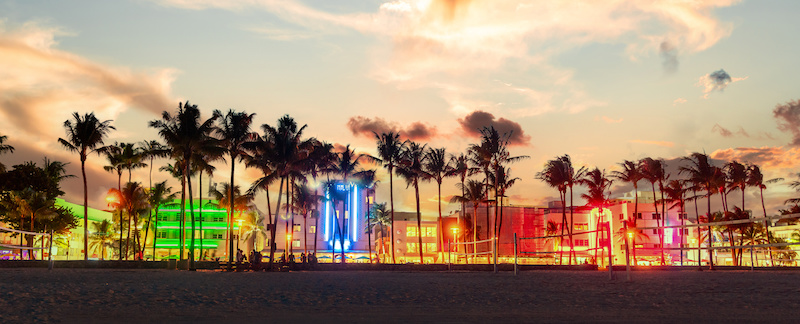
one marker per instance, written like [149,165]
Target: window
[217,236]
[657,246]
[161,234]
[581,227]
[683,216]
[197,218]
[638,215]
[655,231]
[297,228]
[296,243]
[580,242]
[656,216]
[428,231]
[412,231]
[429,247]
[218,219]
[685,231]
[621,216]
[162,217]
[312,229]
[412,247]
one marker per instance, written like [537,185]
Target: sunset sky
[602,81]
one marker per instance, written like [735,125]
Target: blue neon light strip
[327,215]
[354,215]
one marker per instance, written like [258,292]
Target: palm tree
[287,149]
[461,168]
[347,165]
[474,192]
[411,169]
[754,235]
[379,216]
[653,171]
[504,181]
[597,183]
[674,196]
[231,198]
[492,154]
[234,130]
[390,151]
[160,195]
[305,203]
[187,135]
[85,134]
[369,183]
[632,174]
[437,167]
[133,200]
[102,237]
[252,227]
[555,176]
[756,179]
[4,148]
[704,176]
[131,157]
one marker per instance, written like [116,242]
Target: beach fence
[31,248]
[602,236]
[709,249]
[491,251]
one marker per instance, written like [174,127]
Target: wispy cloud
[43,85]
[282,34]
[656,143]
[444,42]
[608,120]
[679,101]
[766,157]
[788,118]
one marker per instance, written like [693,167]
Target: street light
[455,238]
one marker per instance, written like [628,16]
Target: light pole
[239,236]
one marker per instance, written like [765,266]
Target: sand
[163,296]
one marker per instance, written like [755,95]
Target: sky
[602,81]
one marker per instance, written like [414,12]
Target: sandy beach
[163,296]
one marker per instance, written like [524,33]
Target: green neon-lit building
[210,230]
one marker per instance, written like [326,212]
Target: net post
[516,268]
[494,252]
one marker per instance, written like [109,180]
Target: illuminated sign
[341,216]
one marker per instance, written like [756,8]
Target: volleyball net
[489,250]
[21,247]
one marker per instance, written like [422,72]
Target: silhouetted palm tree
[411,169]
[379,216]
[704,176]
[653,171]
[133,200]
[474,192]
[4,148]
[675,192]
[85,134]
[234,130]
[160,195]
[390,151]
[461,168]
[437,167]
[305,202]
[102,237]
[555,176]
[632,174]
[186,134]
[504,181]
[756,179]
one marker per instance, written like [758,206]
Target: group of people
[256,264]
[255,260]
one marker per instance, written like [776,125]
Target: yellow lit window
[312,229]
[412,231]
[430,248]
[412,247]
[429,232]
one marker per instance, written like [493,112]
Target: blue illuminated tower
[342,215]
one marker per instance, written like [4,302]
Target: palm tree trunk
[192,266]
[182,226]
[660,231]
[635,217]
[289,183]
[85,210]
[391,203]
[766,224]
[563,195]
[155,234]
[200,210]
[571,228]
[441,224]
[419,222]
[231,199]
[710,235]
[273,234]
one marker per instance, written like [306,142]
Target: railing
[492,251]
[30,248]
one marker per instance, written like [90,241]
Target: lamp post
[239,236]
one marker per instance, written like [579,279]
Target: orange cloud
[365,126]
[766,157]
